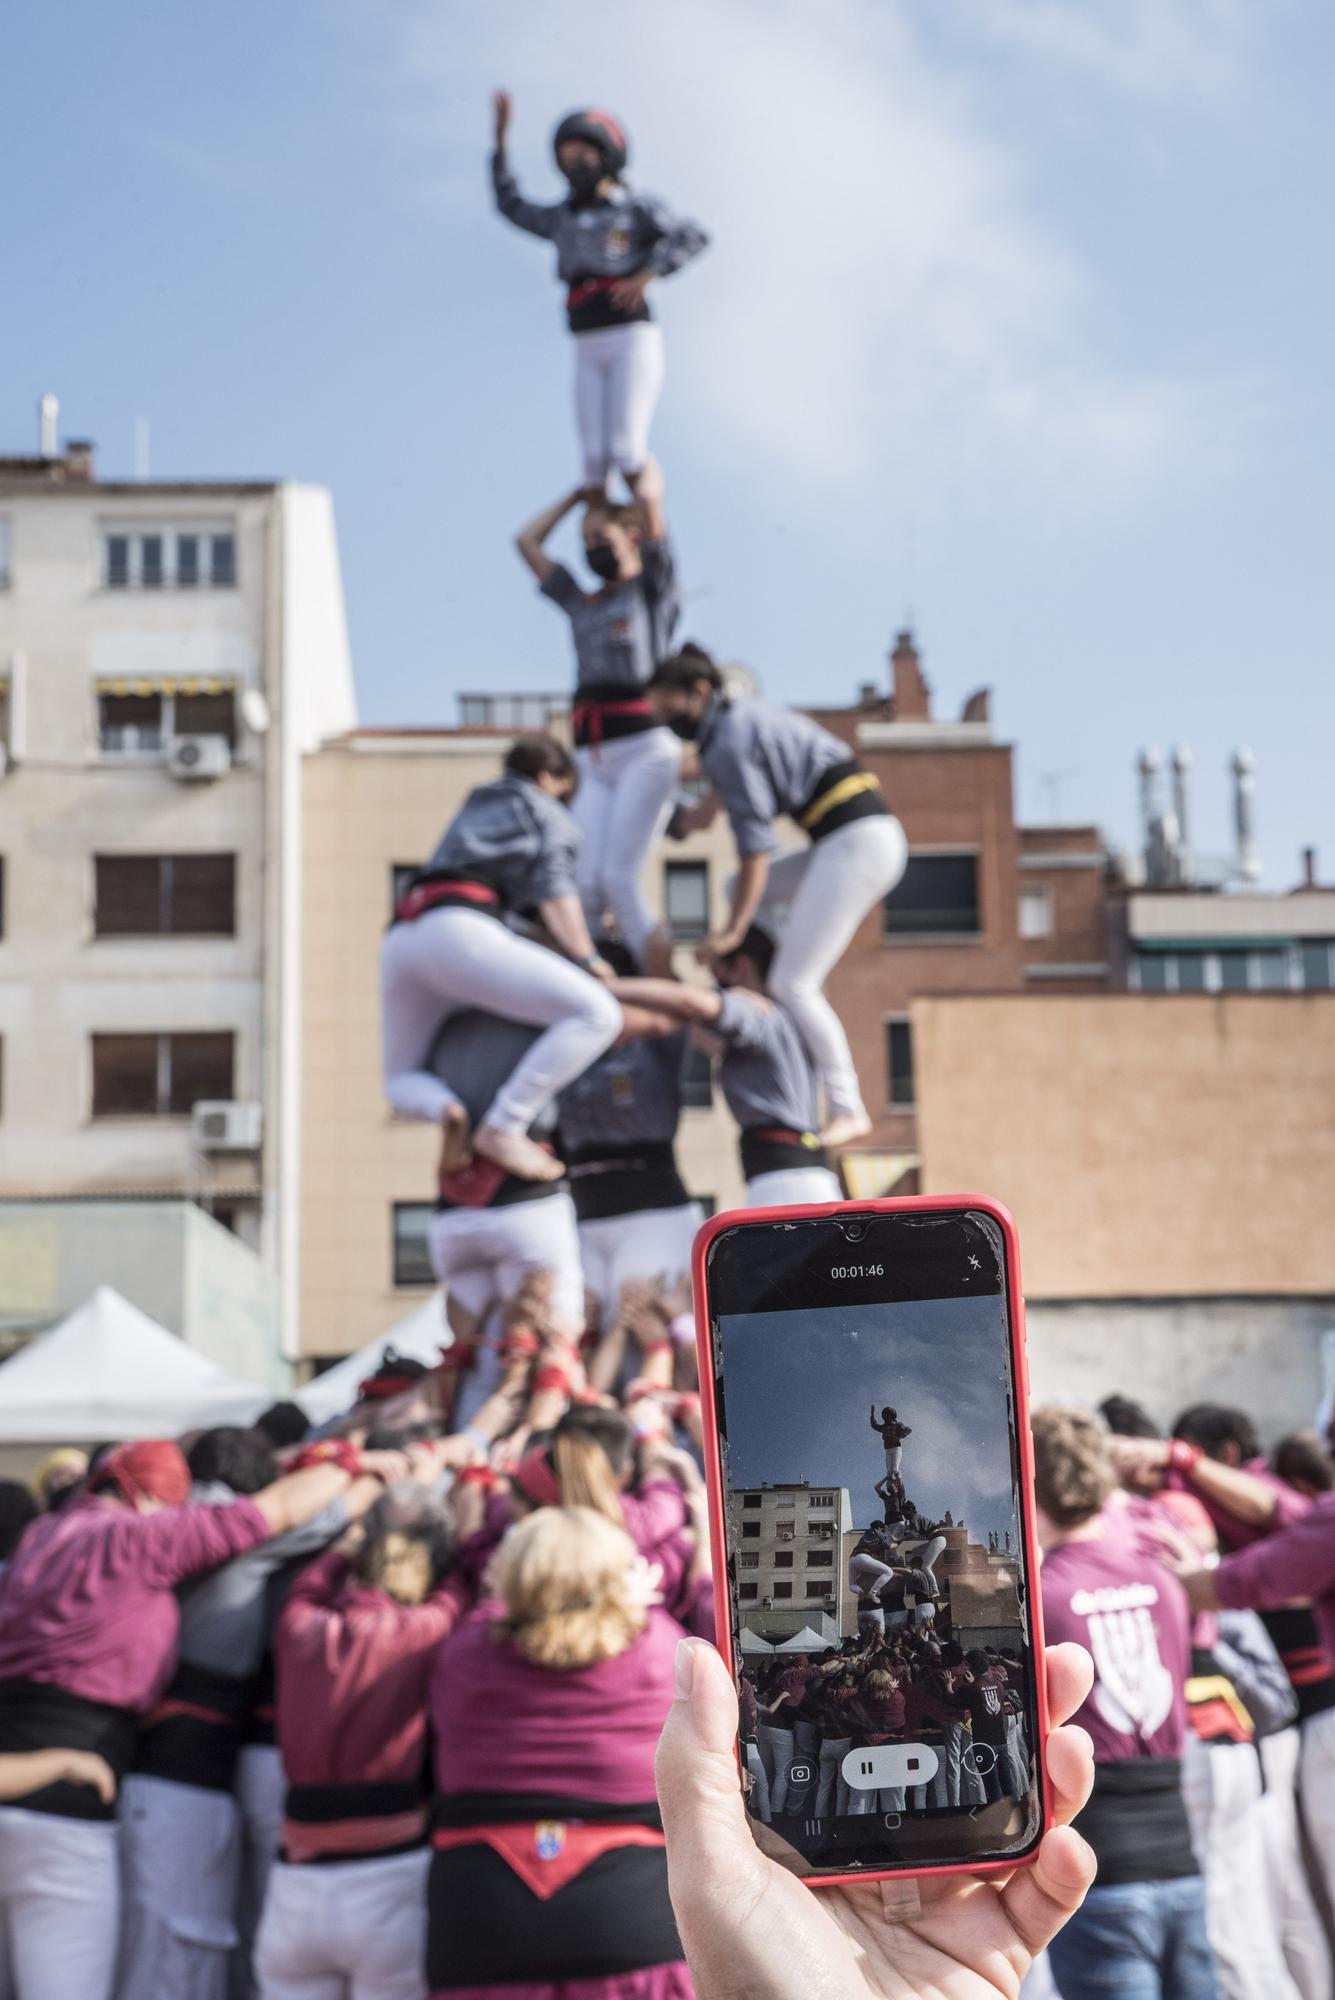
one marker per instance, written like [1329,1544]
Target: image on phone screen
[875,1553]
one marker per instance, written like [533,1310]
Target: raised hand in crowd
[751,1927]
[501,107]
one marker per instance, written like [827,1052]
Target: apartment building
[791,1575]
[168,651]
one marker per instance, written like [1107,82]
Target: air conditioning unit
[194,758]
[219,1127]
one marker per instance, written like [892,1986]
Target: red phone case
[893,1205]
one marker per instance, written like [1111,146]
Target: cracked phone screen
[876,1567]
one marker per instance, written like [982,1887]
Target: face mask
[583,179]
[685,726]
[602,560]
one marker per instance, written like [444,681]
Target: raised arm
[529,541]
[564,918]
[697,1006]
[536,217]
[649,491]
[748,892]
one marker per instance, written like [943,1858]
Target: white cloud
[883,308]
[1152,49]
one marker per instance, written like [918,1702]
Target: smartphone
[864,1395]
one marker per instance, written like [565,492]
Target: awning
[165,684]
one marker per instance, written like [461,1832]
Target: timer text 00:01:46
[858,1271]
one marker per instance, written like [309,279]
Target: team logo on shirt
[549,1839]
[618,242]
[1133,1689]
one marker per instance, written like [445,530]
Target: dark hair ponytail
[538,756]
[686,668]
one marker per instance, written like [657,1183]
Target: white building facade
[167,653]
[790,1573]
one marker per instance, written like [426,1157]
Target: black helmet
[598,128]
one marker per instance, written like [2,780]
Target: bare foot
[455,1151]
[845,1131]
[517,1155]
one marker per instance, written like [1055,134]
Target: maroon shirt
[1290,1506]
[503,1724]
[352,1669]
[1296,1561]
[87,1602]
[1131,1614]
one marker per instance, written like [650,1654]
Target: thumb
[709,1844]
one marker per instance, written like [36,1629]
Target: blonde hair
[1073,1468]
[565,1576]
[584,1473]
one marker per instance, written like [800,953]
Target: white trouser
[868,1577]
[894,1458]
[346,1930]
[1037,1983]
[483,1255]
[180,1877]
[1301,1934]
[621,807]
[451,959]
[618,376]
[1221,1784]
[1316,1793]
[653,1244]
[788,1186]
[261,1793]
[814,901]
[60,1905]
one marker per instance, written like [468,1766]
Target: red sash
[548,1853]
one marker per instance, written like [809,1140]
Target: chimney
[1309,868]
[869,695]
[1150,767]
[911,701]
[978,708]
[1182,761]
[79,461]
[1247,862]
[48,426]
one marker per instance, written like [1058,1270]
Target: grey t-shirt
[225,1616]
[764,762]
[609,238]
[630,1096]
[622,633]
[765,1074]
[516,838]
[475,1052]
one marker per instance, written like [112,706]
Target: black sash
[624,1180]
[35,1716]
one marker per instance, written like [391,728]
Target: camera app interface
[874,1559]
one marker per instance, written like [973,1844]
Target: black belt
[195,1733]
[845,792]
[35,1716]
[1136,1822]
[624,1180]
[776,1149]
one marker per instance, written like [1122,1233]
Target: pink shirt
[503,1724]
[87,1602]
[1290,1506]
[1296,1561]
[1131,1615]
[352,1672]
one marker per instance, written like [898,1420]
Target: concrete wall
[168,1258]
[1149,1146]
[1263,1355]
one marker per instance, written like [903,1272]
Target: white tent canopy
[108,1371]
[420,1336]
[805,1641]
[753,1643]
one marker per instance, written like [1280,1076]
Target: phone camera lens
[855,1231]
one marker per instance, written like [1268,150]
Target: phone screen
[875,1555]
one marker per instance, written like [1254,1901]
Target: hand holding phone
[874,1582]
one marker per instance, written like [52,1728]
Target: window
[751,1500]
[1316,964]
[748,1561]
[750,1531]
[159,1076]
[1035,912]
[1233,971]
[164,559]
[412,1263]
[937,896]
[782,1590]
[822,1500]
[138,725]
[4,554]
[785,1500]
[164,895]
[783,1559]
[686,898]
[820,1590]
[697,1082]
[748,1592]
[820,1558]
[822,1531]
[509,711]
[899,1063]
[1191,971]
[1270,971]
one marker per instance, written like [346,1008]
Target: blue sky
[1018,320]
[799,1386]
